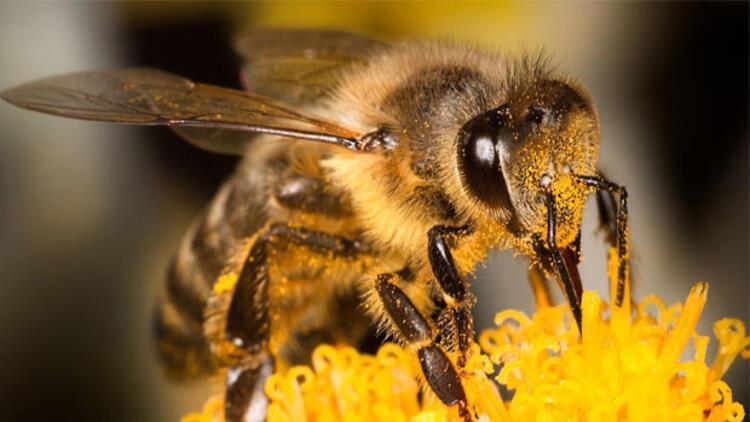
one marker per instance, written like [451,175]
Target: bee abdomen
[205,252]
[182,349]
[178,322]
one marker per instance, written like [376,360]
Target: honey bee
[374,178]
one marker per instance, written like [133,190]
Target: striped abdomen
[233,216]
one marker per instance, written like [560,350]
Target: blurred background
[90,213]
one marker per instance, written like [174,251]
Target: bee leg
[621,240]
[248,325]
[248,329]
[418,334]
[452,285]
[607,207]
[247,320]
[245,399]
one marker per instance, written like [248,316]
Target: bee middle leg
[248,321]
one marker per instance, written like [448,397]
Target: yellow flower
[626,366]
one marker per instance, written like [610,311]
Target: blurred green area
[90,213]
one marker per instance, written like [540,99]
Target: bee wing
[154,97]
[299,66]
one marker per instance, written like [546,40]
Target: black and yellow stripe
[209,247]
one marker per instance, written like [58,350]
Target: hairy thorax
[421,93]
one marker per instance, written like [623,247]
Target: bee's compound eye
[479,159]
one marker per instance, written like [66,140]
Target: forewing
[299,66]
[154,97]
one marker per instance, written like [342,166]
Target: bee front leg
[418,334]
[614,217]
[607,207]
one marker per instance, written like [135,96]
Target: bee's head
[514,157]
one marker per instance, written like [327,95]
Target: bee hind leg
[248,328]
[245,399]
[248,321]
